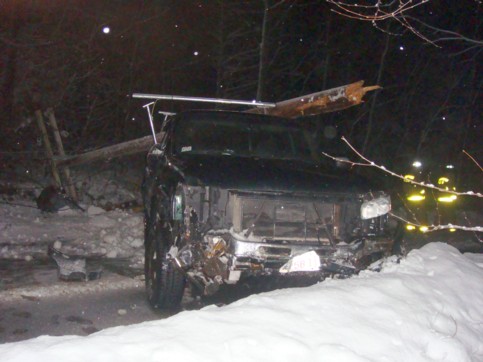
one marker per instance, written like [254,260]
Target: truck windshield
[241,138]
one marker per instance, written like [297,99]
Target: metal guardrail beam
[203,99]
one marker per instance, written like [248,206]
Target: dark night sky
[55,54]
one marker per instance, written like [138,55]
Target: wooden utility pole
[48,147]
[122,149]
[326,101]
[69,187]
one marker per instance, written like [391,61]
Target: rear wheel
[164,281]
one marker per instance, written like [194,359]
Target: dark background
[55,54]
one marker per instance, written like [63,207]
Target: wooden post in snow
[48,147]
[69,187]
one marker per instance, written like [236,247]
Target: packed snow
[425,307]
[108,228]
[26,233]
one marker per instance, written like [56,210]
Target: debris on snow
[52,199]
[26,232]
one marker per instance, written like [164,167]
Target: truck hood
[252,174]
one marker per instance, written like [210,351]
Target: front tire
[399,247]
[165,283]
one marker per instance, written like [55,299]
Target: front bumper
[269,257]
[227,259]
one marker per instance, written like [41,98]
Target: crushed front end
[228,235]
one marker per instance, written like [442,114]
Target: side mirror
[157,150]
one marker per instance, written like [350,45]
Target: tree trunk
[8,81]
[220,91]
[327,53]
[262,54]
[374,98]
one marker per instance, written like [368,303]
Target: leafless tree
[365,162]
[399,11]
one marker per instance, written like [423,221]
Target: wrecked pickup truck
[232,195]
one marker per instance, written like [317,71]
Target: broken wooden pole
[69,187]
[122,149]
[48,147]
[330,100]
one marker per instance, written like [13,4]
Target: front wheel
[164,281]
[399,247]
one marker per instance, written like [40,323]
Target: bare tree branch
[472,159]
[380,11]
[450,35]
[439,227]
[430,228]
[397,10]
[369,163]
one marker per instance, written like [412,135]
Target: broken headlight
[376,207]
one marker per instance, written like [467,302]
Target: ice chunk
[94,210]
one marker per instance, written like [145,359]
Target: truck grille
[293,221]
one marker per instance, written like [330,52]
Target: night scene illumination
[330,149]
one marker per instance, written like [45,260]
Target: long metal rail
[203,99]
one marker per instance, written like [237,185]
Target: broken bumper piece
[227,261]
[306,262]
[310,262]
[343,258]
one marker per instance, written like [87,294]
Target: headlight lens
[178,207]
[375,207]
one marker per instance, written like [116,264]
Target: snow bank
[427,308]
[25,232]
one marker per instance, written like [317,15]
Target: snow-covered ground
[427,307]
[26,233]
[106,229]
